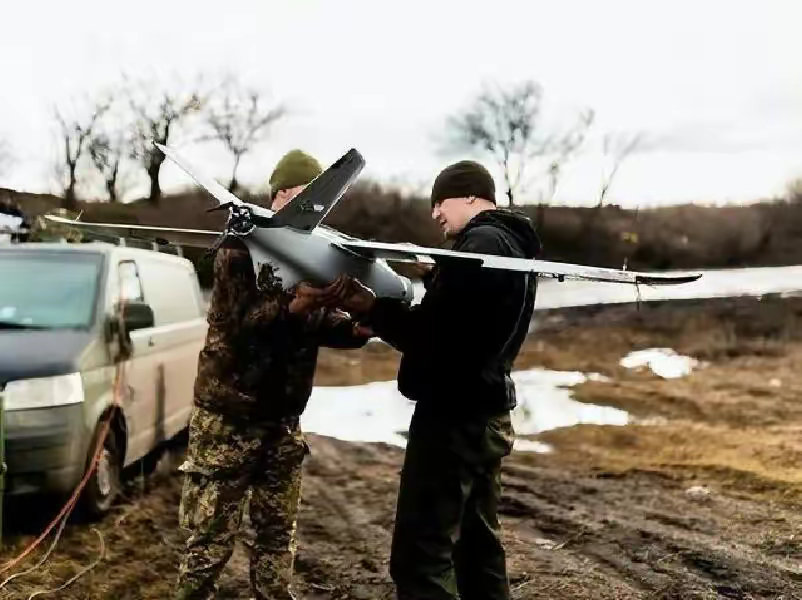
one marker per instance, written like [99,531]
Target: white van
[73,317]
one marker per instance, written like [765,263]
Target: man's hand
[345,292]
[363,331]
[358,330]
[308,298]
[354,296]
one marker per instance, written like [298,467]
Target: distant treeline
[676,237]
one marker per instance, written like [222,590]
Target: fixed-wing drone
[299,248]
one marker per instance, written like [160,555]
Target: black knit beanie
[461,180]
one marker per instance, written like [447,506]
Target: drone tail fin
[310,207]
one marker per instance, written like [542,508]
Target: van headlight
[43,392]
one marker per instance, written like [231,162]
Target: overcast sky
[714,86]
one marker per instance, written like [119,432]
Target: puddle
[377,412]
[664,362]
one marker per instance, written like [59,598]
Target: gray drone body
[296,256]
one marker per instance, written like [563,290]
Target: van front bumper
[45,449]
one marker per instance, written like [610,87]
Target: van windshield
[48,290]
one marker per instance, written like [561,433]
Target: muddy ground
[698,498]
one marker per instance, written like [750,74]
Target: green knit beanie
[461,180]
[295,168]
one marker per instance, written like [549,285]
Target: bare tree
[240,120]
[107,152]
[75,135]
[504,123]
[156,122]
[561,148]
[618,147]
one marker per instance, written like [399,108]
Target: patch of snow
[522,445]
[698,492]
[374,412]
[716,283]
[10,222]
[664,362]
[545,543]
[545,401]
[377,412]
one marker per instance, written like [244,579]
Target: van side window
[130,284]
[172,292]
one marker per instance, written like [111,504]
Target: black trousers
[446,542]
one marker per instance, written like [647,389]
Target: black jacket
[459,344]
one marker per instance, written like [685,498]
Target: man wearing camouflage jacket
[245,443]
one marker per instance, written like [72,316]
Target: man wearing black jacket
[458,347]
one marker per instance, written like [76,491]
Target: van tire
[104,484]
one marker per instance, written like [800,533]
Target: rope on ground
[70,505]
[78,575]
[67,508]
[42,561]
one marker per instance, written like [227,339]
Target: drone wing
[421,254]
[199,238]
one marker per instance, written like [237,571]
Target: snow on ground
[377,412]
[663,362]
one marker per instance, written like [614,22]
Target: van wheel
[103,485]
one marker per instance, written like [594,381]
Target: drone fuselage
[315,257]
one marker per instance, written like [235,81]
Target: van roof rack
[142,245]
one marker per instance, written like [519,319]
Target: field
[697,498]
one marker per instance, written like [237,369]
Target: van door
[140,368]
[171,288]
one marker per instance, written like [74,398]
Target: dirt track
[703,502]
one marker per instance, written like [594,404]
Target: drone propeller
[223,206]
[242,221]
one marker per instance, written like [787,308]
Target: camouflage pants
[228,471]
[446,542]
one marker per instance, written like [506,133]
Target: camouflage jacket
[259,359]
